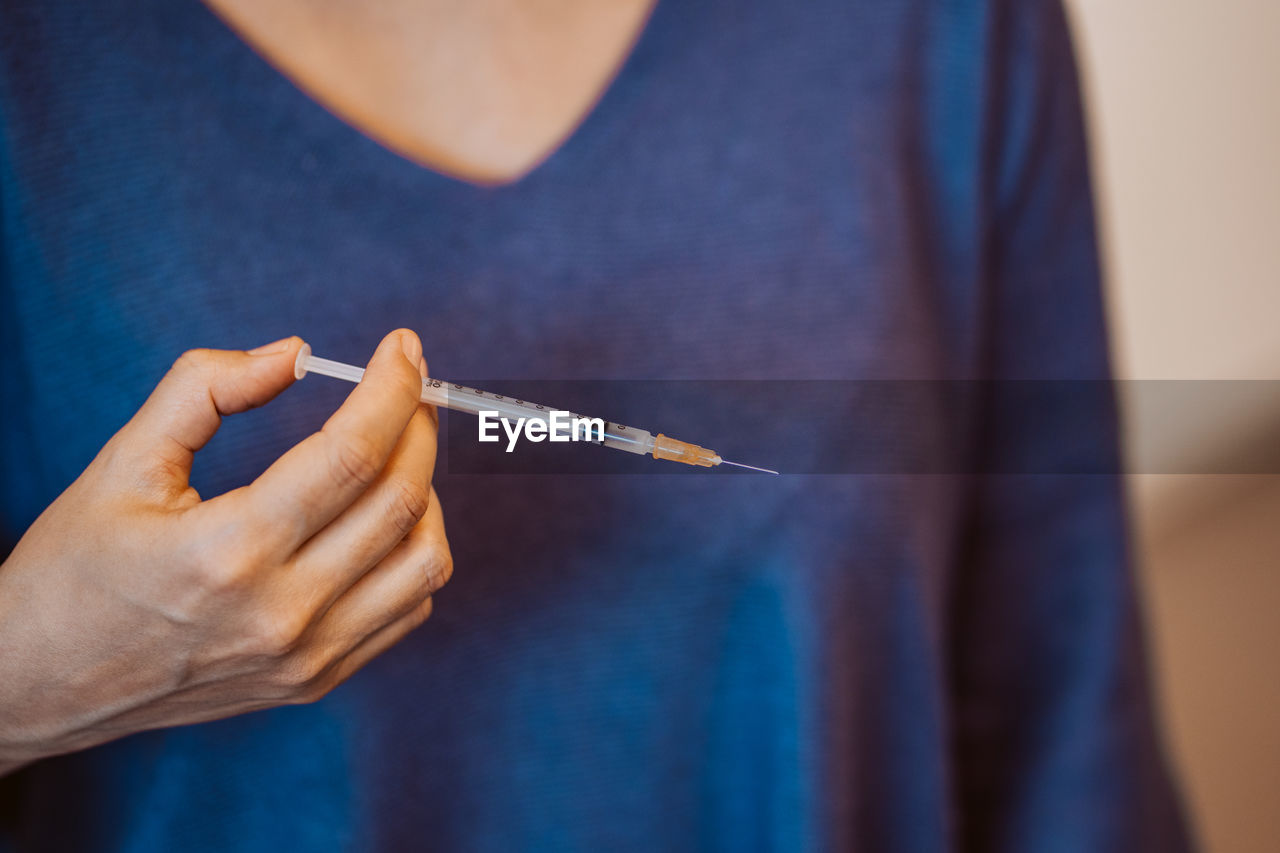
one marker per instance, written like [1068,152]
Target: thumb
[186,408]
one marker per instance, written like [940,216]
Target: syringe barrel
[461,398]
[627,438]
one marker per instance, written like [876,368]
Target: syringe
[460,398]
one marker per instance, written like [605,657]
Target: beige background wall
[1184,99]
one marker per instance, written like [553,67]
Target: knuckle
[306,680]
[354,461]
[409,504]
[444,572]
[298,673]
[255,546]
[436,567]
[277,634]
[193,365]
[223,574]
[318,687]
[226,559]
[192,360]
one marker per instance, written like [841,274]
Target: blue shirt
[883,189]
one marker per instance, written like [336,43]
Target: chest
[482,91]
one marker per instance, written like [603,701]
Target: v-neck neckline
[589,126]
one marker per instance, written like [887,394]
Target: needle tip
[751,467]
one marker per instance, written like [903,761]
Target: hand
[132,604]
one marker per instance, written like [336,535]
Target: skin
[131,603]
[483,90]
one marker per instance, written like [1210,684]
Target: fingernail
[272,348]
[422,367]
[411,347]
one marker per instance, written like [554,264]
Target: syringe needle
[752,467]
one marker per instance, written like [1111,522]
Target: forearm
[13,685]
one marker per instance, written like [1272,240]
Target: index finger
[322,475]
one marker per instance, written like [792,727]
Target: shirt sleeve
[1055,746]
